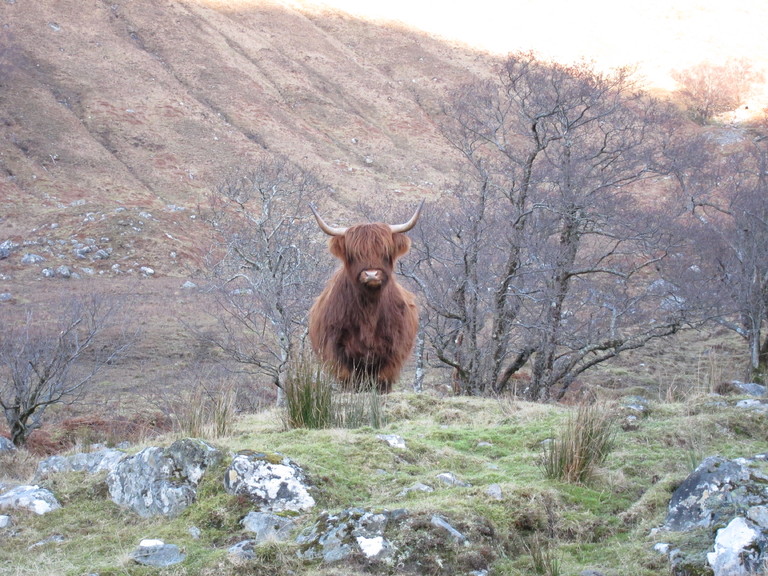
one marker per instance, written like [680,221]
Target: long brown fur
[365,333]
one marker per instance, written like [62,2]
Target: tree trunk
[418,380]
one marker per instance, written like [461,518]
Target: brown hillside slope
[114,110]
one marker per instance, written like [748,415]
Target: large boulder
[271,481]
[727,499]
[161,481]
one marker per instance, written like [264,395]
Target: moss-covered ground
[605,524]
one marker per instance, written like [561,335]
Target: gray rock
[6,444]
[159,481]
[32,498]
[64,271]
[242,551]
[156,553]
[353,532]
[705,495]
[753,404]
[55,539]
[32,259]
[271,481]
[494,492]
[91,462]
[450,479]
[5,521]
[737,549]
[440,522]
[417,487]
[5,296]
[268,527]
[393,440]
[749,388]
[188,285]
[729,494]
[5,249]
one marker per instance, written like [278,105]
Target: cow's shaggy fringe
[584,444]
[312,401]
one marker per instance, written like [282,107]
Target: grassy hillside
[603,524]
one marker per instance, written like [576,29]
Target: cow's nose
[371,278]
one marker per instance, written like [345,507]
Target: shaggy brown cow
[364,323]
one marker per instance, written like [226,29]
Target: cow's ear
[402,244]
[336,246]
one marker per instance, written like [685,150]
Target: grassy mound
[537,524]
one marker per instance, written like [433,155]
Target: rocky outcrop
[729,500]
[271,481]
[162,481]
[351,533]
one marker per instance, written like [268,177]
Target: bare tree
[264,264]
[727,272]
[47,360]
[545,254]
[709,89]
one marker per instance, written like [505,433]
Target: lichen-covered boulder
[716,491]
[739,549]
[271,481]
[162,481]
[353,532]
[31,498]
[727,500]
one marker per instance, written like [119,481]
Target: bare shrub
[49,358]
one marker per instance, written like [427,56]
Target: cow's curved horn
[411,223]
[330,230]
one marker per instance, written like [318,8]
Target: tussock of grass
[313,401]
[582,446]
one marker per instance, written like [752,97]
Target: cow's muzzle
[371,278]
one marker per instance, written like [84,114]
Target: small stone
[32,259]
[451,479]
[417,487]
[156,553]
[393,440]
[494,492]
[440,522]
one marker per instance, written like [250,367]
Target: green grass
[601,524]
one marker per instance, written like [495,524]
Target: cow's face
[369,252]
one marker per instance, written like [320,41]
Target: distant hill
[118,118]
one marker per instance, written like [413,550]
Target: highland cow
[363,324]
